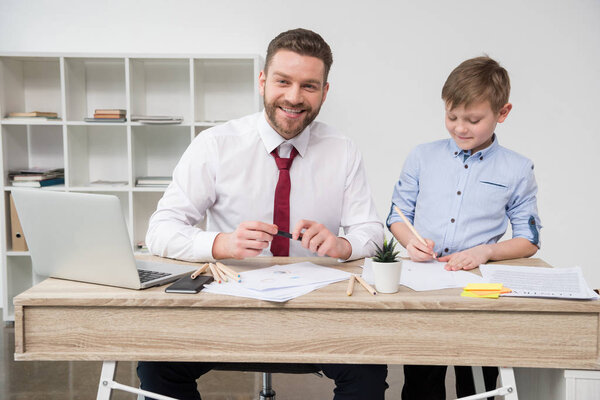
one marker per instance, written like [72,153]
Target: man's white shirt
[227,176]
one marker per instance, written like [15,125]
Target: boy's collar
[458,152]
[271,139]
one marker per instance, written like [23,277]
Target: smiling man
[274,171]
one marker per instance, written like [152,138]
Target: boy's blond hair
[475,80]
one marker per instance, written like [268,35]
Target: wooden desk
[63,320]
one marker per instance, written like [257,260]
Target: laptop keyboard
[147,275]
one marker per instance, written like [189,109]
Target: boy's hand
[467,259]
[418,251]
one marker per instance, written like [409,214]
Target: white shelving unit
[204,89]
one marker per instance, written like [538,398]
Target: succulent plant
[387,253]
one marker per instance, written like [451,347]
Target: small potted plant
[387,267]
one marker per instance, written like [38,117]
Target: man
[279,166]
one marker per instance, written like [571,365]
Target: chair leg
[267,392]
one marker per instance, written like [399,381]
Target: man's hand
[318,239]
[467,259]
[248,240]
[418,251]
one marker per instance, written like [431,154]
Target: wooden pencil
[365,285]
[226,268]
[215,273]
[350,285]
[229,272]
[199,271]
[412,228]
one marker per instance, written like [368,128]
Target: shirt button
[466,166]
[456,153]
[452,220]
[446,250]
[458,193]
[481,158]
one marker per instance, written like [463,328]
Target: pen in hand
[287,235]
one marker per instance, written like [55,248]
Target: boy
[460,193]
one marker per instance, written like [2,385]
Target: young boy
[460,193]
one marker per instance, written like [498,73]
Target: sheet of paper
[539,282]
[427,276]
[280,282]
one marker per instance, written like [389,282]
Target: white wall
[390,61]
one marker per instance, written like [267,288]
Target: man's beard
[290,130]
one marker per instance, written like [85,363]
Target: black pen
[286,234]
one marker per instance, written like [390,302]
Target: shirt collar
[271,139]
[458,152]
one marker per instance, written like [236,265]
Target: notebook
[83,237]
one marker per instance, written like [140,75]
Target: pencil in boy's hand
[226,271]
[365,285]
[215,273]
[411,227]
[350,285]
[199,271]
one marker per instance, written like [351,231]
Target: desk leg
[107,384]
[508,387]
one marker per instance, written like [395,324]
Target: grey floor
[37,380]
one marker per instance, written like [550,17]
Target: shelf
[205,90]
[29,122]
[11,253]
[161,87]
[57,188]
[30,84]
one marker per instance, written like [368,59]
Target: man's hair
[475,80]
[303,42]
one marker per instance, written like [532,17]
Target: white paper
[427,275]
[539,282]
[279,282]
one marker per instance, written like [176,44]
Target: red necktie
[280,246]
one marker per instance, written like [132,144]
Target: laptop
[83,237]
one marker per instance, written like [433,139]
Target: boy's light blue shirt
[461,200]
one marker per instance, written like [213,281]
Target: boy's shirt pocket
[493,195]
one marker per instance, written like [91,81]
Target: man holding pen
[266,174]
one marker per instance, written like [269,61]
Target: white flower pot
[387,276]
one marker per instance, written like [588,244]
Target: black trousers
[178,379]
[427,382]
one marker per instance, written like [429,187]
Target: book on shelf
[113,116]
[41,183]
[35,174]
[151,181]
[110,111]
[16,231]
[157,119]
[105,119]
[33,114]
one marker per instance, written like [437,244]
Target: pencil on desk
[199,271]
[411,227]
[227,269]
[221,273]
[365,285]
[228,272]
[215,273]
[350,285]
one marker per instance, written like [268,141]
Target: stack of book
[37,177]
[108,115]
[153,181]
[33,115]
[157,119]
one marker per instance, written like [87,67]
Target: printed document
[524,281]
[422,276]
[280,282]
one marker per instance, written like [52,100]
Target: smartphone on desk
[186,284]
